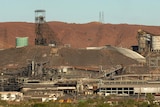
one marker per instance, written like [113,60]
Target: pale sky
[141,12]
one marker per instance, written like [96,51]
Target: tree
[150,98]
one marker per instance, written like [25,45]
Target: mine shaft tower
[44,34]
[39,21]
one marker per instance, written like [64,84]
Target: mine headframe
[44,34]
[39,21]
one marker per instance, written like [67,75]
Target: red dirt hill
[77,35]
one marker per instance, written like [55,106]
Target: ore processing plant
[51,67]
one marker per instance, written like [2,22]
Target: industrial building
[45,70]
[11,96]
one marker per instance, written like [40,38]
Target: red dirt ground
[78,35]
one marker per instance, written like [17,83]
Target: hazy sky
[145,12]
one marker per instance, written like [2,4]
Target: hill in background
[77,35]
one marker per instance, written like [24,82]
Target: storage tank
[21,41]
[155,43]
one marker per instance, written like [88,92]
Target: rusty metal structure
[44,34]
[144,41]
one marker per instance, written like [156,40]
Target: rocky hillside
[77,35]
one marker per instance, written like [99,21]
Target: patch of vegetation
[91,102]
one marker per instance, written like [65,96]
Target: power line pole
[101,17]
